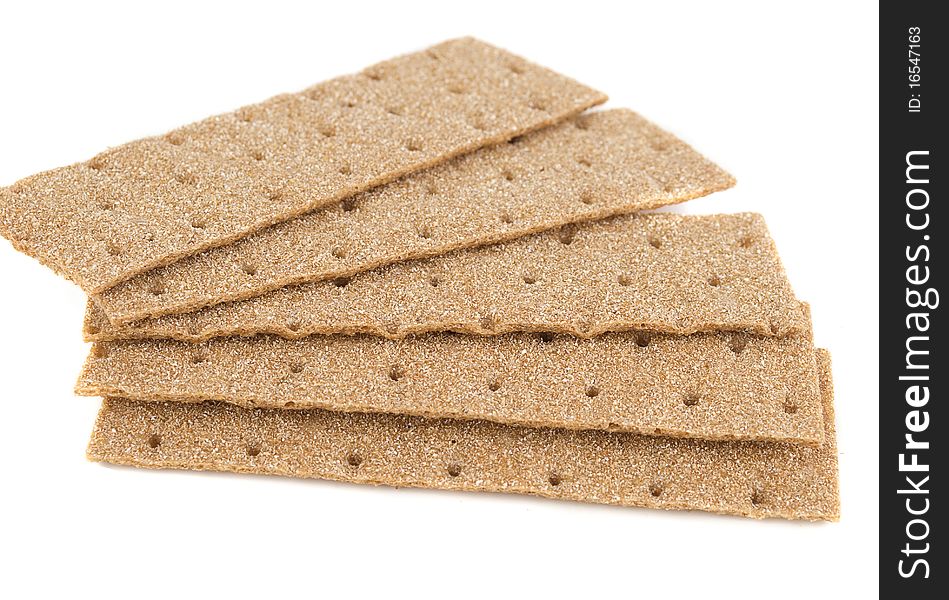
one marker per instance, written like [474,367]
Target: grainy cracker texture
[711,386]
[595,166]
[150,202]
[752,479]
[663,272]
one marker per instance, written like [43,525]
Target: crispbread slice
[150,202]
[663,272]
[598,165]
[710,386]
[752,479]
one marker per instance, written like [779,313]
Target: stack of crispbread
[436,273]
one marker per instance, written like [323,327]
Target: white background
[784,98]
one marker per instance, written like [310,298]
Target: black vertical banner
[913,371]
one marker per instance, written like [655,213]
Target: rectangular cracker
[752,479]
[662,272]
[150,202]
[707,385]
[598,165]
